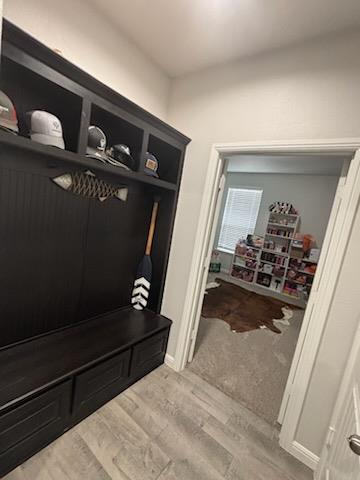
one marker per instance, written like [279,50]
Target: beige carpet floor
[250,367]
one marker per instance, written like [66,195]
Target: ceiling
[183,36]
[294,164]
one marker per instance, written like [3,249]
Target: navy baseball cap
[151,165]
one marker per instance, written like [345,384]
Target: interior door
[212,223]
[340,458]
[326,258]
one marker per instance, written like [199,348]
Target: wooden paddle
[142,284]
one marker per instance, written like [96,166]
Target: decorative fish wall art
[87,185]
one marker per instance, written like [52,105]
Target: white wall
[312,195]
[89,41]
[309,92]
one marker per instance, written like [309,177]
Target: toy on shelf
[240,248]
[279,232]
[273,258]
[309,268]
[263,279]
[267,268]
[292,289]
[242,273]
[276,246]
[276,284]
[291,275]
[243,261]
[215,264]
[284,222]
[278,271]
[314,255]
[255,241]
[284,208]
[250,263]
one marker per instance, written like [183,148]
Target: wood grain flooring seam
[167,426]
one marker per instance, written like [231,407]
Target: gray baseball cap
[45,128]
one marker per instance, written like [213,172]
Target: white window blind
[240,216]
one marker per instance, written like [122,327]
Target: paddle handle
[152,228]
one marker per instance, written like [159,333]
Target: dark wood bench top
[32,366]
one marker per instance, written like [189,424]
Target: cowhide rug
[244,310]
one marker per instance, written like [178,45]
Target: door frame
[311,331]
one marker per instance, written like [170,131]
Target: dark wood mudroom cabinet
[69,341]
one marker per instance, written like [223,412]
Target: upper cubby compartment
[118,131]
[30,91]
[168,157]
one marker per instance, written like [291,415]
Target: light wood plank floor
[168,426]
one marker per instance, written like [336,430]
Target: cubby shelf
[277,236]
[306,260]
[280,225]
[246,256]
[297,282]
[74,159]
[244,266]
[268,250]
[271,263]
[306,273]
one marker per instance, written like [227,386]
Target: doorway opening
[269,234]
[325,278]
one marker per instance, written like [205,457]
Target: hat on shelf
[45,128]
[96,144]
[119,155]
[151,165]
[8,118]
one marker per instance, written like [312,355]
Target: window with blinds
[240,216]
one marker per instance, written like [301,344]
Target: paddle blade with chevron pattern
[141,290]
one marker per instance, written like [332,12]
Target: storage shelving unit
[244,266]
[297,276]
[278,239]
[271,264]
[69,341]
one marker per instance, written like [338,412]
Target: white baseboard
[304,455]
[170,361]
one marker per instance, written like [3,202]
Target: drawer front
[100,384]
[26,429]
[149,354]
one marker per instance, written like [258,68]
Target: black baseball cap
[120,155]
[96,144]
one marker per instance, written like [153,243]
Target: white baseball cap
[45,128]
